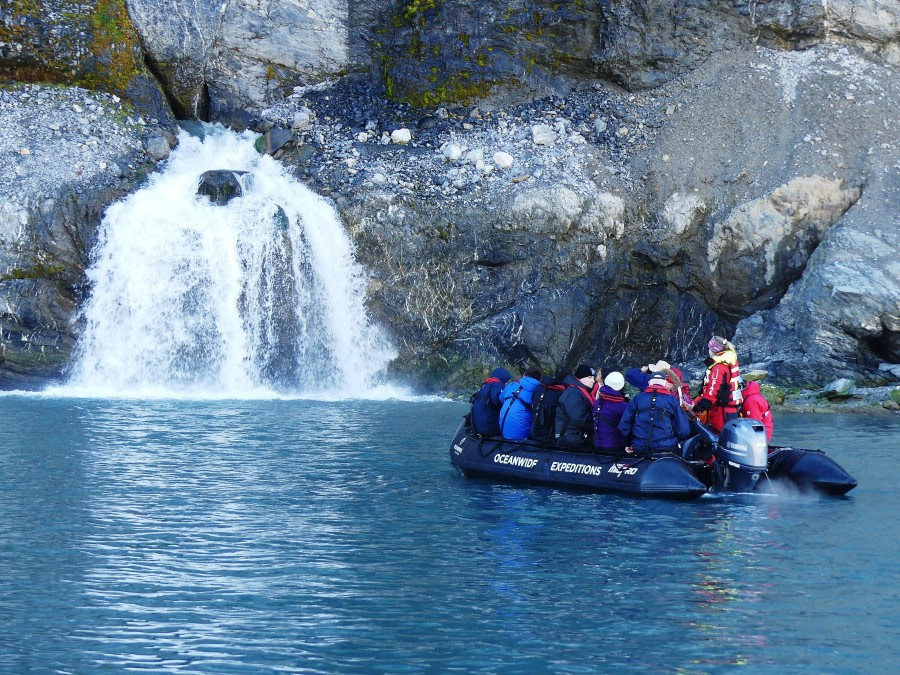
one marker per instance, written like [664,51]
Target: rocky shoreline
[754,197]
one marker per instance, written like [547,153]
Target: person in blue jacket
[654,420]
[486,403]
[516,415]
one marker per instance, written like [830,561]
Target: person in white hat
[609,406]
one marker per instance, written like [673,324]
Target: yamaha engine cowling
[742,455]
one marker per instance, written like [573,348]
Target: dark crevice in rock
[885,347]
[177,108]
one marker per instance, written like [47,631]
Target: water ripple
[313,537]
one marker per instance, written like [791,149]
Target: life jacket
[483,396]
[729,394]
[584,392]
[755,406]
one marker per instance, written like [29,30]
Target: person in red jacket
[756,407]
[721,395]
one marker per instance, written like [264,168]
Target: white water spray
[258,297]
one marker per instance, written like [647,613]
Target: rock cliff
[610,181]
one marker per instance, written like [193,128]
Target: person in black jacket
[485,416]
[575,410]
[544,401]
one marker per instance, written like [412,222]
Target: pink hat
[717,344]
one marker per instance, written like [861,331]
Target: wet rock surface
[65,155]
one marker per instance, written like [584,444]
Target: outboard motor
[742,455]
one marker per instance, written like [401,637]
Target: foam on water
[191,299]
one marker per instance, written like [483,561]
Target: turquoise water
[300,536]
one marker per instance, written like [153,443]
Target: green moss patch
[92,45]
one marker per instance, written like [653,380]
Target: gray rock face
[179,39]
[224,61]
[36,337]
[458,50]
[766,198]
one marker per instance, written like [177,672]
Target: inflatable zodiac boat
[735,461]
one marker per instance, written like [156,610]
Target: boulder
[221,185]
[503,160]
[275,139]
[401,136]
[840,388]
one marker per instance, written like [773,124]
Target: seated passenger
[485,415]
[545,400]
[654,420]
[756,407]
[575,411]
[640,378]
[515,415]
[608,410]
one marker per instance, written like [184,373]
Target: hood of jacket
[501,374]
[751,388]
[528,383]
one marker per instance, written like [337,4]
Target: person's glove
[702,406]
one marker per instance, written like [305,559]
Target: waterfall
[260,296]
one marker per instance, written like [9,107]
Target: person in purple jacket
[609,407]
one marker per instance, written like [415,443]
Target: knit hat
[614,381]
[717,344]
[584,370]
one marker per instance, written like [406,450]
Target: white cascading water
[189,298]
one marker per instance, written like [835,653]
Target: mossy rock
[436,373]
[92,45]
[774,395]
